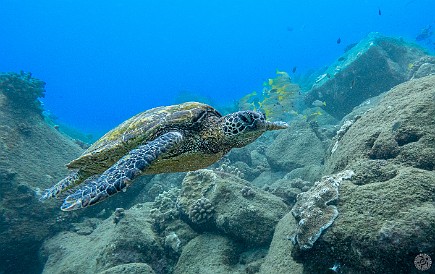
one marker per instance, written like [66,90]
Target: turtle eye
[245,119]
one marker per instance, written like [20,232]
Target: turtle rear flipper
[68,182]
[122,173]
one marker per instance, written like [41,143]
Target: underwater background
[106,61]
[347,187]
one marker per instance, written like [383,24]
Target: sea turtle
[175,138]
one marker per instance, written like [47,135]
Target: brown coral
[201,211]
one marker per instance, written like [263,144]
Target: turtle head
[243,127]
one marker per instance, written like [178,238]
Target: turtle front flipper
[122,173]
[69,181]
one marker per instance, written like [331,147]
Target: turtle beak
[276,125]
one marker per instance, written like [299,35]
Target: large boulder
[278,259]
[400,130]
[386,214]
[208,253]
[126,240]
[294,148]
[32,157]
[217,254]
[373,66]
[218,201]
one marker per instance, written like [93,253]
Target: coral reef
[313,211]
[164,209]
[247,192]
[201,211]
[211,253]
[226,166]
[344,127]
[22,90]
[398,129]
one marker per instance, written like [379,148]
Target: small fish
[278,72]
[379,11]
[318,103]
[289,28]
[424,34]
[338,40]
[312,116]
[321,77]
[341,59]
[352,84]
[335,267]
[294,69]
[349,47]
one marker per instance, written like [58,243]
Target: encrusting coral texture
[312,211]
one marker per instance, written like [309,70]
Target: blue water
[105,61]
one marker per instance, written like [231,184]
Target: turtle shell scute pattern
[141,128]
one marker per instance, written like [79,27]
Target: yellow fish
[281,72]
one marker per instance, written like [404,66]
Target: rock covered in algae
[108,247]
[208,253]
[387,215]
[313,211]
[277,259]
[32,156]
[295,147]
[131,268]
[250,218]
[373,66]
